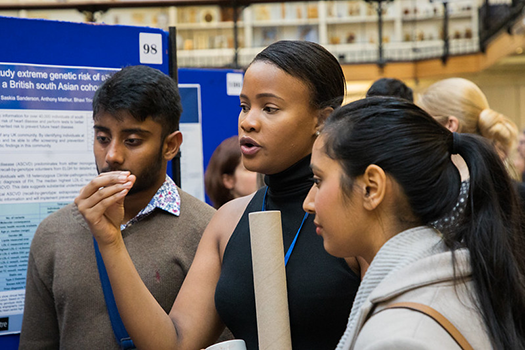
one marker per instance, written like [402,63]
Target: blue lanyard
[289,252]
[119,330]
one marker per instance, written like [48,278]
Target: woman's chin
[334,250]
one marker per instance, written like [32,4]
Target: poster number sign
[150,48]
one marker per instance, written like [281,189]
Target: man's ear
[228,181]
[374,181]
[452,123]
[172,144]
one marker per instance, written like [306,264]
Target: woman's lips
[249,146]
[318,228]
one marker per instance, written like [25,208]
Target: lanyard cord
[290,249]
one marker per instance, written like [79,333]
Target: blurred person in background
[461,106]
[226,178]
[390,87]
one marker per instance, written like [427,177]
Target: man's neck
[134,203]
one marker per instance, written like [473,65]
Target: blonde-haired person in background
[504,135]
[462,107]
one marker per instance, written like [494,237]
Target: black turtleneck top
[321,288]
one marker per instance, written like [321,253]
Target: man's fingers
[93,214]
[105,196]
[105,180]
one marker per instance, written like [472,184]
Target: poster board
[49,71]
[218,91]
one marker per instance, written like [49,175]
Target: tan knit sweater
[64,305]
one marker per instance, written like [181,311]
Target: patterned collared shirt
[167,198]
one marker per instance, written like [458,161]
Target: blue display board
[48,73]
[219,89]
[80,44]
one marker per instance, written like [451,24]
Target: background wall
[503,84]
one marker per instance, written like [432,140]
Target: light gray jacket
[428,280]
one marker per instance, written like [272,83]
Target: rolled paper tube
[269,279]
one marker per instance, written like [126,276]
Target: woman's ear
[323,114]
[172,144]
[374,182]
[452,123]
[228,181]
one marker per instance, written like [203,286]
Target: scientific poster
[46,156]
[49,71]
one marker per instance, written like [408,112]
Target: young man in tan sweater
[136,114]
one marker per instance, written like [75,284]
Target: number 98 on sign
[150,46]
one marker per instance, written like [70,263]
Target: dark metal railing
[496,17]
[493,18]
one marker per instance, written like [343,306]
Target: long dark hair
[413,148]
[311,63]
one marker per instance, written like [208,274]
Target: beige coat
[428,281]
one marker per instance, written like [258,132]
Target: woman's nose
[309,201]
[249,121]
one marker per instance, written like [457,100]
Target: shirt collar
[167,198]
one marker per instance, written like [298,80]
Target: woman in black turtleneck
[289,89]
[321,288]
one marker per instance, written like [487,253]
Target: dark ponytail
[415,150]
[492,230]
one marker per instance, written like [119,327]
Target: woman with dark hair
[289,89]
[390,87]
[226,178]
[378,204]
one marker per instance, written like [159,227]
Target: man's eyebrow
[100,128]
[125,131]
[135,131]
